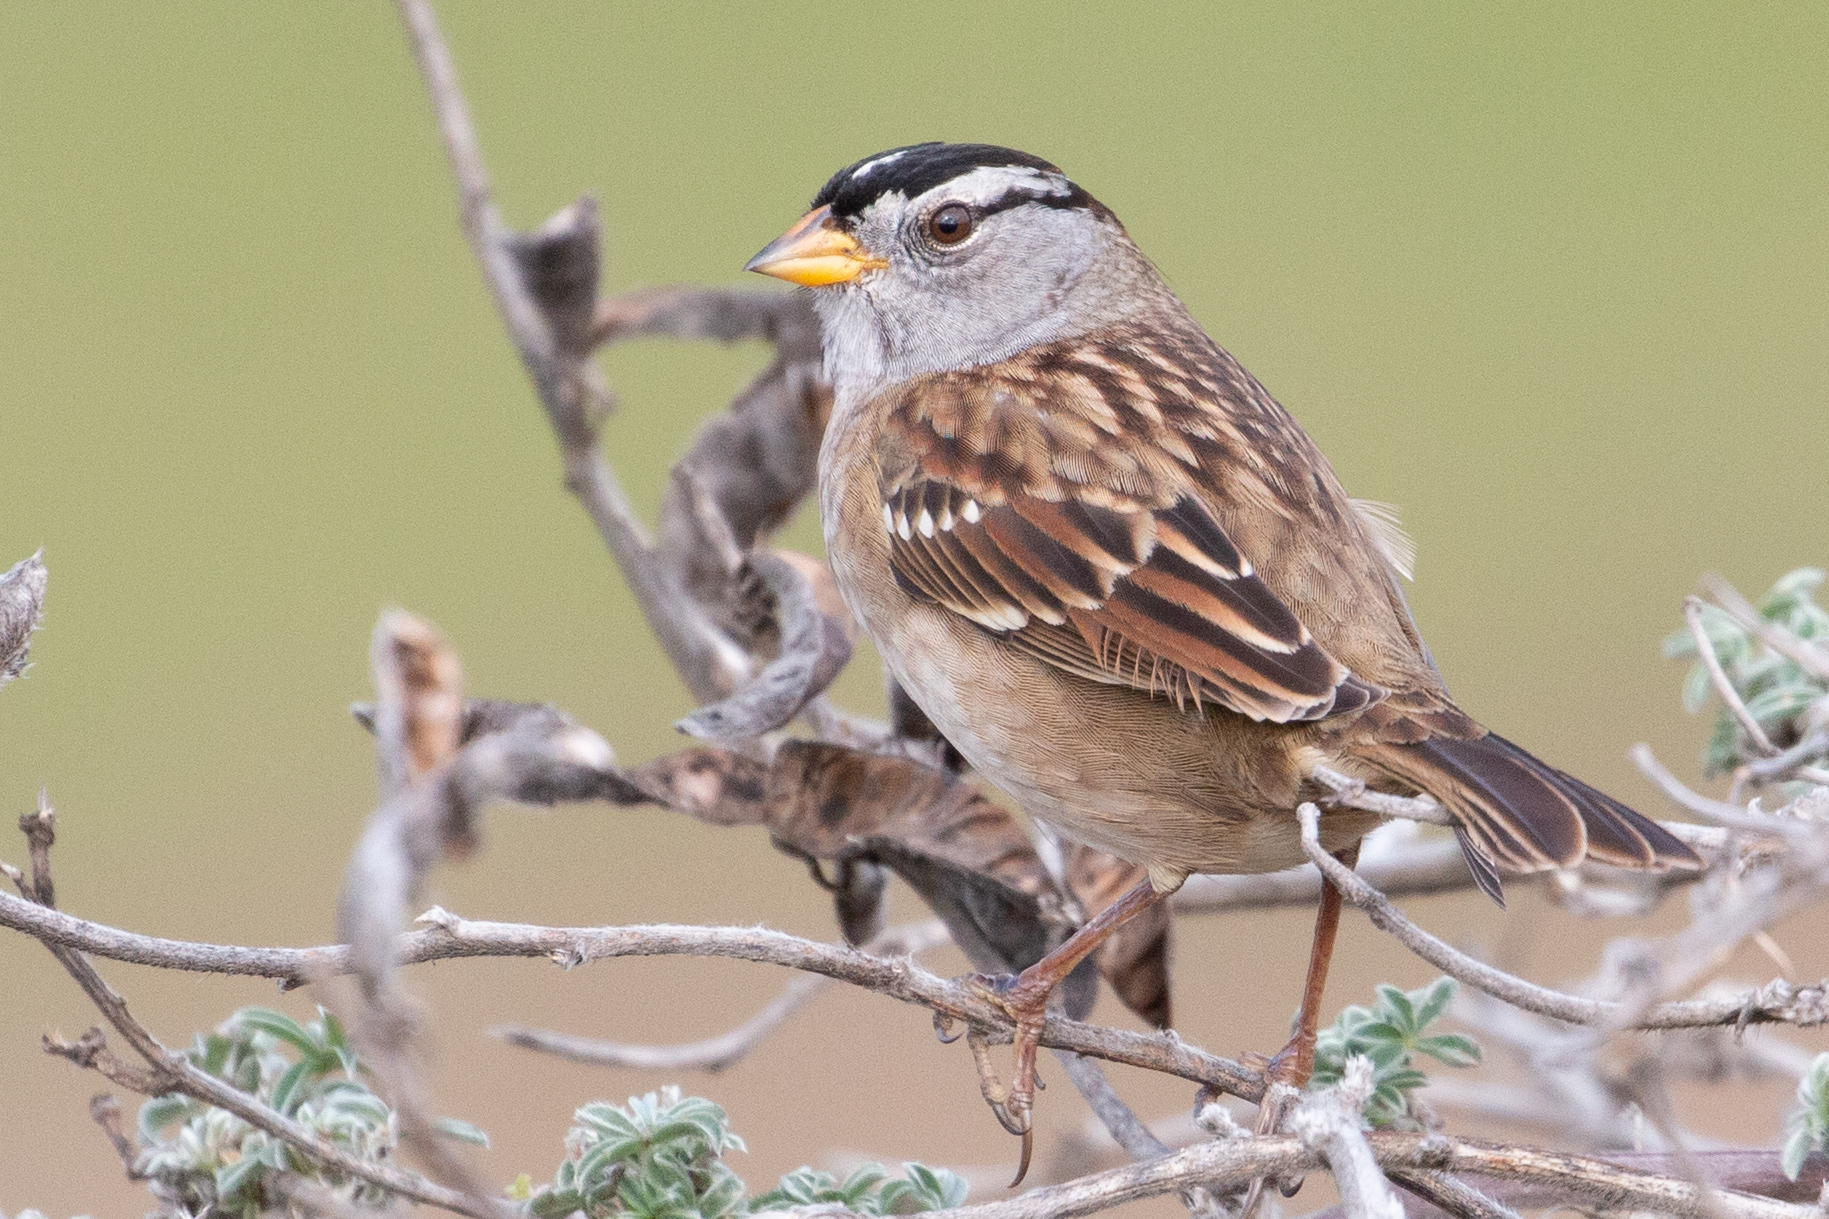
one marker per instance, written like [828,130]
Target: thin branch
[554,345]
[1124,1126]
[1806,750]
[173,1072]
[1349,792]
[1228,1164]
[1807,656]
[450,937]
[1744,1172]
[1718,811]
[1776,1002]
[169,1071]
[716,1054]
[1705,651]
[1418,868]
[1453,1195]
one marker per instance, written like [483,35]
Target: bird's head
[942,256]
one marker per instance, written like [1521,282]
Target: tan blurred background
[1551,278]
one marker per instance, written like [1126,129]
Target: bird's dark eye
[951,224]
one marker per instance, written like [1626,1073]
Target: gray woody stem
[1231,1163]
[554,343]
[170,1071]
[1755,1008]
[449,937]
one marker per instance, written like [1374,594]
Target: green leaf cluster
[206,1162]
[1808,1124]
[868,1191]
[1391,1033]
[658,1157]
[661,1157]
[1777,693]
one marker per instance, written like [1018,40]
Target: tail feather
[1520,814]
[1485,873]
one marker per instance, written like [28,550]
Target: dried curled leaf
[815,646]
[749,468]
[442,760]
[966,856]
[559,264]
[21,606]
[419,689]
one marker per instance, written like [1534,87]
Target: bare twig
[1414,868]
[1353,793]
[1807,656]
[1230,1163]
[1328,1123]
[1718,811]
[169,1071]
[715,1054]
[554,344]
[1745,1172]
[1124,1126]
[1811,747]
[1451,1194]
[172,1072]
[1705,652]
[1541,999]
[711,1055]
[449,937]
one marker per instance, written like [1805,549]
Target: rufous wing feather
[1027,517]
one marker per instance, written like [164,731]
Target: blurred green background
[1551,277]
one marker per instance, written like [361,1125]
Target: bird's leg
[1288,1072]
[1295,1062]
[1024,998]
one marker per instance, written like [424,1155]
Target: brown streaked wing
[1120,591]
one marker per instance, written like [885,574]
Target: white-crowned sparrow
[1113,571]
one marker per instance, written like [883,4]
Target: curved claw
[1022,1166]
[1015,1122]
[943,1029]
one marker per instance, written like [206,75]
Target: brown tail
[1521,814]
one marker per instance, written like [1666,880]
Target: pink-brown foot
[1024,999]
[1292,1067]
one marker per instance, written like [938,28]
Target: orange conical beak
[814,253]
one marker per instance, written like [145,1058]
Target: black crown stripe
[918,168]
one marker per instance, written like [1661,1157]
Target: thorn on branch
[40,830]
